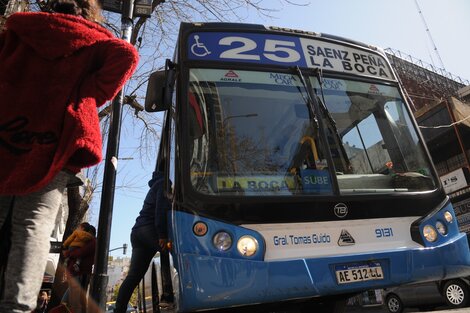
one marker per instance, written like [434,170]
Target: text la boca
[343,59]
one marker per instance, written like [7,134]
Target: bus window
[254,137]
[195,117]
[247,135]
[364,144]
[401,123]
[377,138]
[198,120]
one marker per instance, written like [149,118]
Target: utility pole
[428,32]
[100,275]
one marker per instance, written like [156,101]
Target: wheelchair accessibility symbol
[198,48]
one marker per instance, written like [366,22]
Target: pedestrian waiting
[56,68]
[79,238]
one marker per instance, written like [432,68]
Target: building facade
[117,271]
[441,104]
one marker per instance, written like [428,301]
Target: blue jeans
[144,242]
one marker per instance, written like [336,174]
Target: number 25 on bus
[296,171]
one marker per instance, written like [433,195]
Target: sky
[390,24]
[393,24]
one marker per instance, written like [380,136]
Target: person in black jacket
[148,236]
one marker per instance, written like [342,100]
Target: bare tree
[155,38]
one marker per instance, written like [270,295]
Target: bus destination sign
[286,51]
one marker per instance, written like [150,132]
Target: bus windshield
[255,133]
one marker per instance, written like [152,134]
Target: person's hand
[162,243]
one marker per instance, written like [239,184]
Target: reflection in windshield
[252,133]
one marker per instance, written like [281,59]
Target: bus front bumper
[213,282]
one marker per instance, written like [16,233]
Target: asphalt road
[383,309]
[372,309]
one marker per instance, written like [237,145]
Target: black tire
[394,303]
[456,293]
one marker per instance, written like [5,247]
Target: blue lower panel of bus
[214,274]
[215,282]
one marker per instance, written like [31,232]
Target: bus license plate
[352,273]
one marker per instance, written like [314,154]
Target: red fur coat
[55,70]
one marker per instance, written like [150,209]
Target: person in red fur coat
[56,68]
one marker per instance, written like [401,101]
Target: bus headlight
[448,216]
[222,241]
[430,233]
[200,229]
[441,228]
[247,245]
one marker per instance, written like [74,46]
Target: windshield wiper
[308,100]
[325,111]
[314,108]
[327,114]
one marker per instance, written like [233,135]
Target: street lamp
[124,248]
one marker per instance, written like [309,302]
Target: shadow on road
[383,309]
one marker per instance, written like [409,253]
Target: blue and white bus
[296,171]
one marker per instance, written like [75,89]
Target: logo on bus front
[341,210]
[345,239]
[231,76]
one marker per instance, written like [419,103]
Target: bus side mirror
[160,89]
